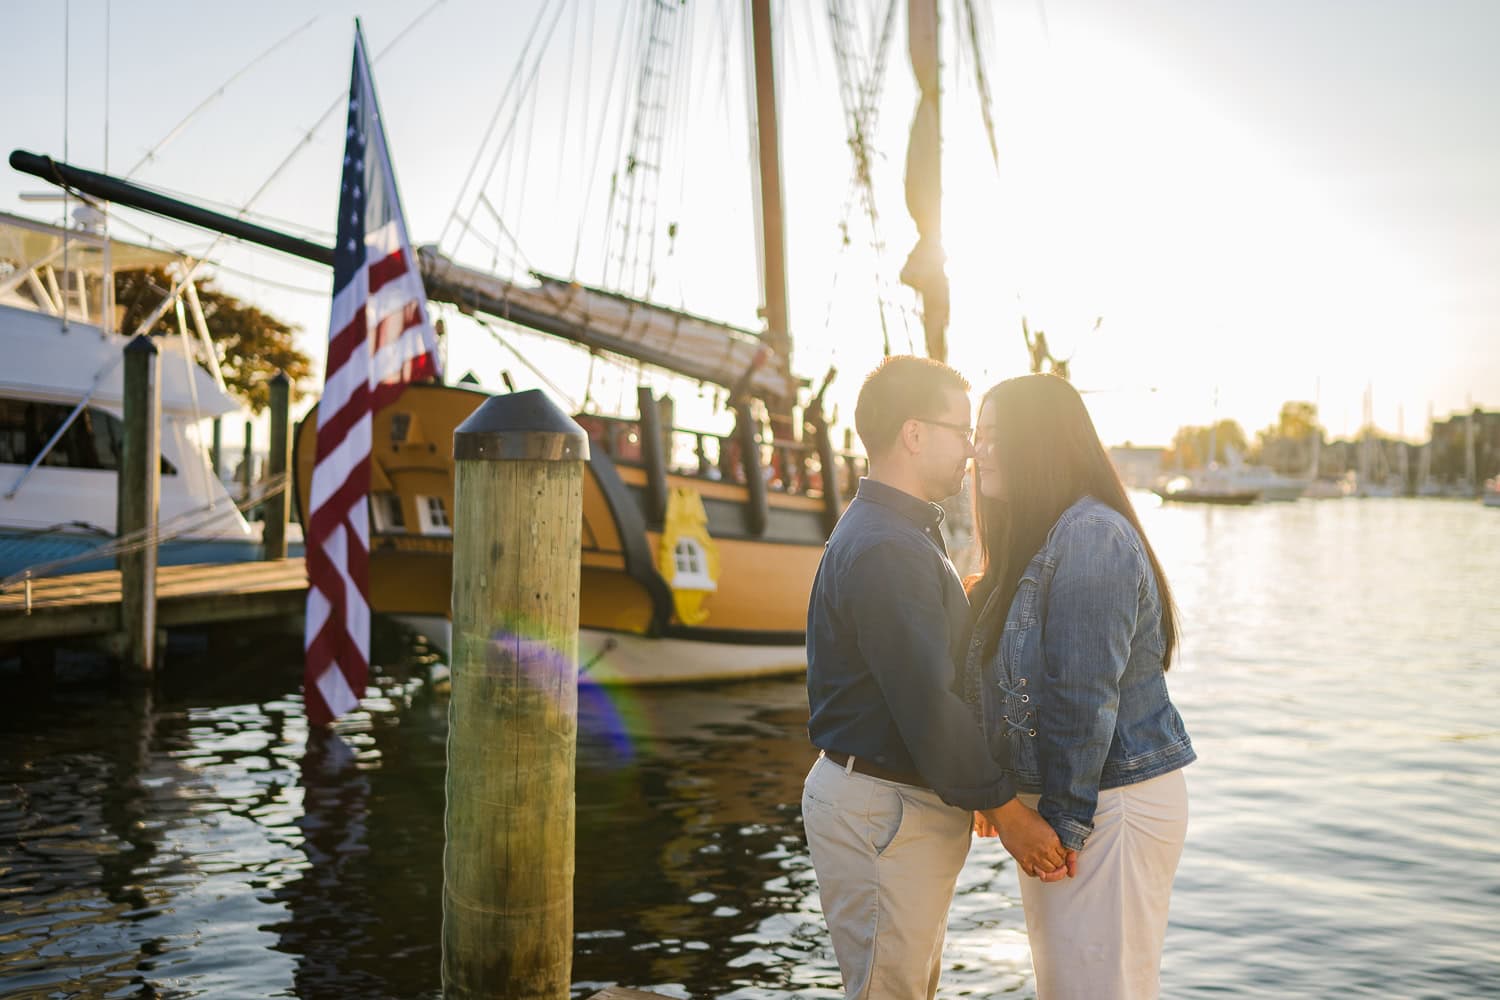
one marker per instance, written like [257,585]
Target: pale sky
[1272,199]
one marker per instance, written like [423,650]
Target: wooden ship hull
[646,616]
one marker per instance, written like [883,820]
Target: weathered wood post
[216,451]
[138,492]
[513,714]
[247,465]
[278,507]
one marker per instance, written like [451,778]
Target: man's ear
[911,435]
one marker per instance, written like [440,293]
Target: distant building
[1450,445]
[1138,467]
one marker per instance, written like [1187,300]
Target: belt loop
[849,765]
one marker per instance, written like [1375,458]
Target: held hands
[1030,839]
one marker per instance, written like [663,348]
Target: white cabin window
[692,566]
[385,511]
[433,516]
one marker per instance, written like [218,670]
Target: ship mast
[923,270]
[772,222]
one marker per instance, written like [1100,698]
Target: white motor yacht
[61,408]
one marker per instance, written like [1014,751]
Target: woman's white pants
[1098,936]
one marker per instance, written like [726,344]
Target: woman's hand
[984,828]
[1030,839]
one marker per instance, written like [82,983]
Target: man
[903,765]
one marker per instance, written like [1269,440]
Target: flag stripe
[389,268]
[345,345]
[342,421]
[380,340]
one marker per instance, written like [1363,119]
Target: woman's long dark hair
[1048,456]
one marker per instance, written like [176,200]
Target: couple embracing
[1030,705]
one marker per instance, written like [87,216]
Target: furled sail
[923,269]
[677,341]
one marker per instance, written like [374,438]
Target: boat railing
[787,467]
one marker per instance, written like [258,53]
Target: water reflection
[1339,679]
[722,901]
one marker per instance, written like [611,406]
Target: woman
[1074,632]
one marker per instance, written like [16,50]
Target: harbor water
[1340,677]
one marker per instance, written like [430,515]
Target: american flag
[379,339]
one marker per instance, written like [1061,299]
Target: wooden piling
[654,445]
[247,465]
[513,712]
[138,499]
[757,509]
[277,509]
[216,450]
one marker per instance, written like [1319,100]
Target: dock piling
[138,494]
[277,509]
[513,712]
[247,464]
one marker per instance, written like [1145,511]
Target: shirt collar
[922,513]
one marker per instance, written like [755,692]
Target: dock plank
[203,593]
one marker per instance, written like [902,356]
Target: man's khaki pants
[887,857]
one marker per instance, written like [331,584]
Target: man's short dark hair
[901,387]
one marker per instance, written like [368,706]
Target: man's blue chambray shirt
[887,624]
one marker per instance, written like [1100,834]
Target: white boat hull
[613,659]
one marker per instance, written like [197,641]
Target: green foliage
[1286,445]
[252,345]
[1298,420]
[1190,445]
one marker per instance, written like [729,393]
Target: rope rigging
[500,105]
[982,82]
[861,83]
[659,52]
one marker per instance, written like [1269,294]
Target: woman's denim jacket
[1073,696]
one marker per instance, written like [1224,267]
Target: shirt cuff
[984,797]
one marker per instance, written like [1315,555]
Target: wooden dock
[88,604]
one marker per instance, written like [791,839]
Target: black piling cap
[520,425]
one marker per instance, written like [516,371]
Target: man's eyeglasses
[962,430]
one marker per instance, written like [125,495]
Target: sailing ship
[699,549]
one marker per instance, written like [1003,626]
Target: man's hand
[1029,839]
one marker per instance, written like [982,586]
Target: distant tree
[1298,420]
[1189,448]
[1286,445]
[252,345]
